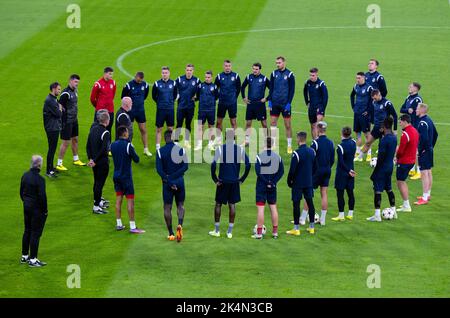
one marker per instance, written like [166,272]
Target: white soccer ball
[388,213]
[316,218]
[373,162]
[255,229]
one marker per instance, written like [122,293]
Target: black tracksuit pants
[100,175]
[34,220]
[52,139]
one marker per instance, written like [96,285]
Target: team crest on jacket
[111,86]
[193,83]
[364,90]
[170,86]
[211,89]
[260,80]
[232,78]
[373,80]
[285,77]
[317,85]
[142,88]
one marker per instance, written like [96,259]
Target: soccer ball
[316,218]
[255,229]
[388,213]
[373,162]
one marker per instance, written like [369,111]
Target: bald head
[127,103]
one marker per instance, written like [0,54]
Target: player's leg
[311,210]
[119,198]
[219,127]
[368,144]
[189,117]
[233,197]
[144,138]
[259,219]
[168,220]
[425,174]
[296,214]
[158,137]
[231,217]
[377,205]
[74,139]
[248,131]
[52,138]
[274,214]
[217,214]
[401,176]
[304,213]
[287,125]
[27,213]
[351,203]
[200,123]
[324,201]
[62,152]
[37,226]
[180,214]
[341,205]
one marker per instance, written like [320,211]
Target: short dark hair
[361,74]
[226,61]
[388,122]
[168,135]
[269,142]
[302,135]
[258,65]
[54,85]
[314,70]
[375,92]
[281,58]
[406,117]
[165,68]
[417,85]
[108,69]
[140,74]
[122,130]
[190,65]
[376,61]
[209,72]
[346,131]
[74,76]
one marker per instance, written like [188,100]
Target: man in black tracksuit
[32,193]
[52,114]
[98,143]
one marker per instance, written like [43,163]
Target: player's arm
[305,93]
[341,163]
[104,146]
[197,91]
[291,80]
[214,165]
[271,84]
[267,87]
[435,136]
[244,85]
[393,113]
[88,148]
[114,88]
[64,99]
[381,155]
[404,108]
[94,93]
[260,175]
[216,92]
[21,189]
[55,111]
[294,163]
[147,90]
[42,195]
[175,90]
[181,169]
[424,143]
[324,91]
[402,146]
[125,91]
[332,155]
[247,166]
[155,92]
[279,173]
[238,85]
[352,98]
[159,167]
[217,81]
[382,86]
[132,153]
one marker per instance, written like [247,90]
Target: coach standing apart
[98,143]
[138,90]
[32,193]
[102,95]
[52,125]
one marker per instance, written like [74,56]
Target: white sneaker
[395,213]
[229,235]
[147,153]
[374,219]
[214,233]
[322,222]
[302,222]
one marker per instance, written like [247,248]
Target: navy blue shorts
[223,109]
[402,171]
[208,115]
[382,181]
[185,114]
[298,194]
[321,178]
[124,187]
[376,132]
[344,181]
[361,123]
[138,115]
[165,116]
[312,114]
[228,193]
[256,111]
[263,195]
[277,110]
[425,160]
[169,194]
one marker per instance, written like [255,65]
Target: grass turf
[38,48]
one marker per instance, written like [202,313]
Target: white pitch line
[119,61]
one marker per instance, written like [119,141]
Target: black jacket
[32,190]
[52,114]
[98,143]
[69,100]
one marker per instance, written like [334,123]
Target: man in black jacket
[98,143]
[32,193]
[52,124]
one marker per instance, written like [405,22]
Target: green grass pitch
[37,48]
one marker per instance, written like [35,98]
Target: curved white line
[119,61]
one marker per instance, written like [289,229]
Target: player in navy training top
[315,93]
[382,174]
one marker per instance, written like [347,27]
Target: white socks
[303,216]
[370,151]
[60,162]
[358,150]
[132,225]
[323,215]
[75,158]
[289,142]
[119,222]
[378,213]
[406,204]
[158,146]
[341,215]
[350,212]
